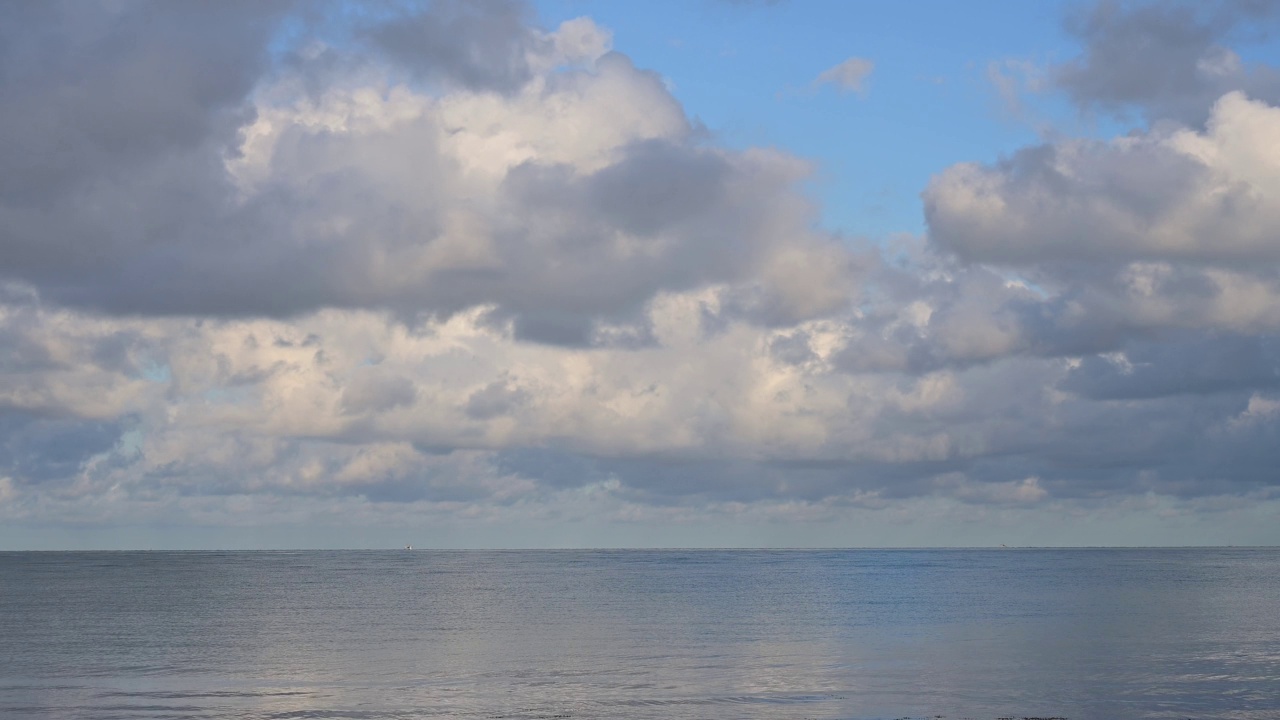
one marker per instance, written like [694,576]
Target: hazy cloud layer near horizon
[441,264]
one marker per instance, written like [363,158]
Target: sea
[980,634]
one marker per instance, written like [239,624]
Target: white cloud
[1207,197]
[848,76]
[1167,229]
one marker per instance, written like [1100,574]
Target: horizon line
[652,548]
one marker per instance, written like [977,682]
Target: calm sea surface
[642,634]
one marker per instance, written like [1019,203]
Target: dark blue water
[642,634]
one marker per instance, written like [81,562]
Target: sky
[706,273]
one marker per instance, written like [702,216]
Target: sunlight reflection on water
[642,634]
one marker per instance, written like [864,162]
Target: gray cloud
[112,118]
[1202,364]
[1167,60]
[38,449]
[485,44]
[92,92]
[373,391]
[495,399]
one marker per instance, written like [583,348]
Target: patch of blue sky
[130,442]
[155,372]
[328,23]
[1255,47]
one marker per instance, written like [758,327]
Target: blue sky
[570,273]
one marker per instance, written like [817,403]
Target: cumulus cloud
[531,171]
[455,265]
[848,76]
[1147,233]
[1206,197]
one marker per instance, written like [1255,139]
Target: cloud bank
[443,264]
